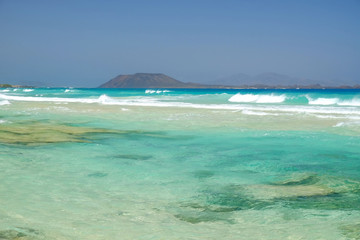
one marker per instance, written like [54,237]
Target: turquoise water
[179,164]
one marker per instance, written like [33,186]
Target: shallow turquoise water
[179,164]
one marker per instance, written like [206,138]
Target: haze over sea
[179,164]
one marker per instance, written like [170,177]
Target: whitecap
[243,98]
[334,101]
[323,101]
[149,91]
[106,100]
[271,99]
[353,102]
[253,98]
[28,90]
[158,91]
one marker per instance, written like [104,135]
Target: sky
[85,43]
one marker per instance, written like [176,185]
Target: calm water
[179,164]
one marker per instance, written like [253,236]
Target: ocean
[179,164]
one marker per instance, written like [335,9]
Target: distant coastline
[162,81]
[159,80]
[203,86]
[317,86]
[5,85]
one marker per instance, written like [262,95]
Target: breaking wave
[253,98]
[28,90]
[334,101]
[152,91]
[238,100]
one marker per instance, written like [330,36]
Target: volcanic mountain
[146,80]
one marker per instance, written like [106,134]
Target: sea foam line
[153,102]
[54,99]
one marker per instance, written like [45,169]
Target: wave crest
[253,98]
[334,101]
[152,91]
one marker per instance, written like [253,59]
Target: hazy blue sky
[85,43]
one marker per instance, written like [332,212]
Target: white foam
[104,99]
[4,102]
[257,113]
[253,98]
[151,91]
[5,90]
[2,121]
[243,98]
[271,99]
[324,116]
[323,101]
[67,90]
[28,90]
[345,112]
[48,99]
[334,101]
[339,124]
[353,102]
[347,124]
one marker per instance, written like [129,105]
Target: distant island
[239,81]
[5,85]
[146,80]
[151,80]
[159,80]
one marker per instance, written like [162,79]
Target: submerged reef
[38,133]
[203,174]
[97,174]
[35,133]
[136,157]
[351,231]
[300,191]
[20,233]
